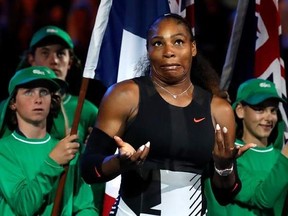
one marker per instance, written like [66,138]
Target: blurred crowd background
[19,19]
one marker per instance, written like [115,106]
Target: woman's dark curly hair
[11,119]
[202,72]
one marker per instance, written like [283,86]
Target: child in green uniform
[31,160]
[262,169]
[52,47]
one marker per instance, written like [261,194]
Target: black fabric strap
[225,196]
[99,146]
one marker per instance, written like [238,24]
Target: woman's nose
[168,51]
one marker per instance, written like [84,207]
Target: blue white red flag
[120,31]
[118,43]
[254,49]
[118,39]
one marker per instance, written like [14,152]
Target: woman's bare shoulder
[124,91]
[120,99]
[222,111]
[219,104]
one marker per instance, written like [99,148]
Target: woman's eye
[157,43]
[179,42]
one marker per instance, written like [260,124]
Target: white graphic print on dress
[180,195]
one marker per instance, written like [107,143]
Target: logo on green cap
[265,85]
[38,72]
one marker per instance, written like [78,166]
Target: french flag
[118,43]
[118,39]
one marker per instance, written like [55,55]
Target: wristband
[224,172]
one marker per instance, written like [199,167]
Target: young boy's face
[32,105]
[54,56]
[258,120]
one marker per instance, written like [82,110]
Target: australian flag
[254,49]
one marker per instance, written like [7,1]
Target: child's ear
[12,105]
[239,111]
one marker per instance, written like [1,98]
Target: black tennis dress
[181,142]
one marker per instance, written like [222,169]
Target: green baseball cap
[34,76]
[255,91]
[52,33]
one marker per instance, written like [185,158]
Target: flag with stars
[268,62]
[254,49]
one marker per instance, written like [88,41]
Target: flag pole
[90,66]
[227,71]
[77,116]
[94,48]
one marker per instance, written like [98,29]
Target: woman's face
[32,105]
[170,51]
[259,120]
[54,56]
